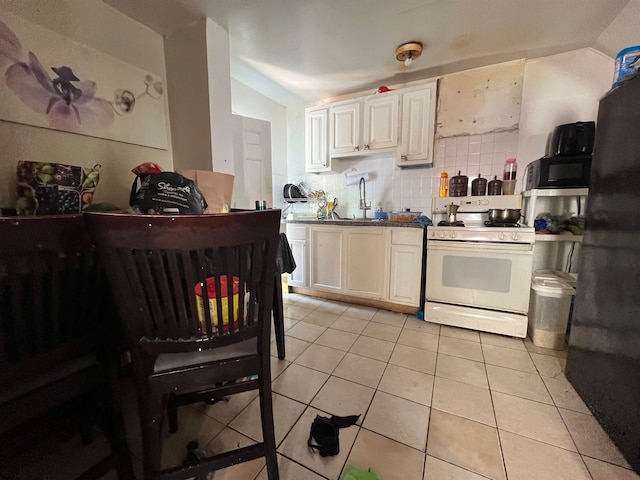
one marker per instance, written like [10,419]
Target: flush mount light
[407,52]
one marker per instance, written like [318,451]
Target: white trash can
[549,307]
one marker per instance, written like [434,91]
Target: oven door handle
[479,246]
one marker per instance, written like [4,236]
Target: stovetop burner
[445,223]
[487,223]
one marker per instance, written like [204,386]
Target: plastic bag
[166,192]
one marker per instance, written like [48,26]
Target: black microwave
[559,172]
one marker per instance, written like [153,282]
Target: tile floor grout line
[433,392]
[460,467]
[495,416]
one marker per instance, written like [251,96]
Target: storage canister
[626,65]
[224,300]
[458,185]
[494,187]
[478,186]
[549,308]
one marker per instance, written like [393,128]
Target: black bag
[167,190]
[324,431]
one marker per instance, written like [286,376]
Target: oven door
[496,276]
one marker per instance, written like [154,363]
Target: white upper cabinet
[344,125]
[316,140]
[418,126]
[359,127]
[400,123]
[381,122]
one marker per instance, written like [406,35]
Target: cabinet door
[326,260]
[344,121]
[297,236]
[316,140]
[381,122]
[406,274]
[418,123]
[367,262]
[298,278]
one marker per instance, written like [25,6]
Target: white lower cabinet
[367,262]
[297,236]
[405,278]
[380,263]
[326,258]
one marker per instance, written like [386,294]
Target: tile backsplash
[397,189]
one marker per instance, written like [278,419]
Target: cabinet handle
[403,158]
[357,149]
[366,147]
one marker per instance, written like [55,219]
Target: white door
[252,158]
[316,140]
[367,257]
[326,259]
[418,126]
[299,250]
[406,273]
[345,128]
[381,122]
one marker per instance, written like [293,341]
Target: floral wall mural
[50,81]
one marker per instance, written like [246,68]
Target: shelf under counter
[557,237]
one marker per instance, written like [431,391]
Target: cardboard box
[217,188]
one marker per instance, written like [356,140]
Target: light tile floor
[436,403]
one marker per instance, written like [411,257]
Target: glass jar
[509,177]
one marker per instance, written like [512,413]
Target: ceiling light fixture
[408,52]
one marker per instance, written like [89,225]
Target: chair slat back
[48,286]
[187,283]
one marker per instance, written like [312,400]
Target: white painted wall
[93,23]
[188,92]
[217,44]
[560,89]
[557,89]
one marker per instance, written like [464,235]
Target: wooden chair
[51,333]
[159,268]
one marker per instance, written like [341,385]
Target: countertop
[357,222]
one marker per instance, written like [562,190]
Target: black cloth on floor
[324,432]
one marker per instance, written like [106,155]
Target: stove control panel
[524,235]
[477,204]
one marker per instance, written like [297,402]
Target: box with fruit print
[54,188]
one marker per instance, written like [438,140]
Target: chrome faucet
[362,188]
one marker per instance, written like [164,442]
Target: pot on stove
[502,216]
[458,185]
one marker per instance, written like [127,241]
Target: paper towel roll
[353,178]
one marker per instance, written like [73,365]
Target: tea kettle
[452,210]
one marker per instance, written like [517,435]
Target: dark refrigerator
[603,362]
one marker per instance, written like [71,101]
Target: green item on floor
[353,473]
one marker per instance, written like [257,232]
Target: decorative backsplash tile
[414,188]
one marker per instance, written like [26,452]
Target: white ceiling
[302,50]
